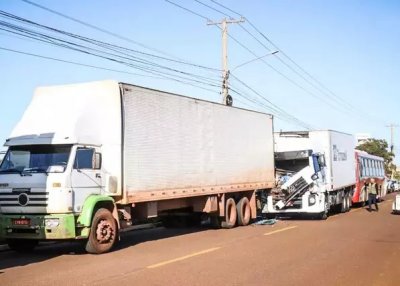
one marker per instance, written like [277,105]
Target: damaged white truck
[314,173]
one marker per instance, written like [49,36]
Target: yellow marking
[183,257]
[356,210]
[280,230]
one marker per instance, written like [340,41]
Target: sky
[349,48]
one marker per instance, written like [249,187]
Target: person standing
[372,189]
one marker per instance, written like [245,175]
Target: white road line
[280,230]
[183,257]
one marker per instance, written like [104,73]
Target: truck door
[86,177]
[319,166]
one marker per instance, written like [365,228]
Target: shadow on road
[132,238]
[46,251]
[9,258]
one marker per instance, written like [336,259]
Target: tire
[103,232]
[243,212]
[350,204]
[230,214]
[347,199]
[22,245]
[343,206]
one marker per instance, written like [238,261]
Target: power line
[326,91]
[292,69]
[187,10]
[275,69]
[103,68]
[247,86]
[88,50]
[269,65]
[272,104]
[97,28]
[208,6]
[226,8]
[74,63]
[116,35]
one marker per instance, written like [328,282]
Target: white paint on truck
[86,156]
[176,142]
[336,179]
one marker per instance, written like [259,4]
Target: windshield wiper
[35,170]
[14,170]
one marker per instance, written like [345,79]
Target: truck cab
[300,185]
[62,165]
[44,188]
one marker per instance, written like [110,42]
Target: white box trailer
[177,146]
[88,159]
[320,172]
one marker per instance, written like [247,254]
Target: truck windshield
[34,158]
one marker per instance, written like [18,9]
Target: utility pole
[227,99]
[392,127]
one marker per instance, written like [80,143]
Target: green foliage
[379,147]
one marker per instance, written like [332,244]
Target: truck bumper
[312,203]
[40,227]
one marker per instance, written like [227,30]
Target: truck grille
[298,186]
[25,198]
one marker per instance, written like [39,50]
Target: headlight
[52,222]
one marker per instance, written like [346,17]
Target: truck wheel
[102,232]
[348,202]
[230,214]
[22,245]
[243,211]
[343,206]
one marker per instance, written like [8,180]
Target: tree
[379,147]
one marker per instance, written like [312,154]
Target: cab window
[85,159]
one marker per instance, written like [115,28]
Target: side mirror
[97,161]
[314,177]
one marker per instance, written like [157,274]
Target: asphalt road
[356,248]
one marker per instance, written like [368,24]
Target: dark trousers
[372,200]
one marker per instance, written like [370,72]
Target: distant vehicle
[396,186]
[368,167]
[396,205]
[393,186]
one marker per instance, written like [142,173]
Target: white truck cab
[55,163]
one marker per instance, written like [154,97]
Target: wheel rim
[104,232]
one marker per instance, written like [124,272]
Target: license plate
[21,221]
